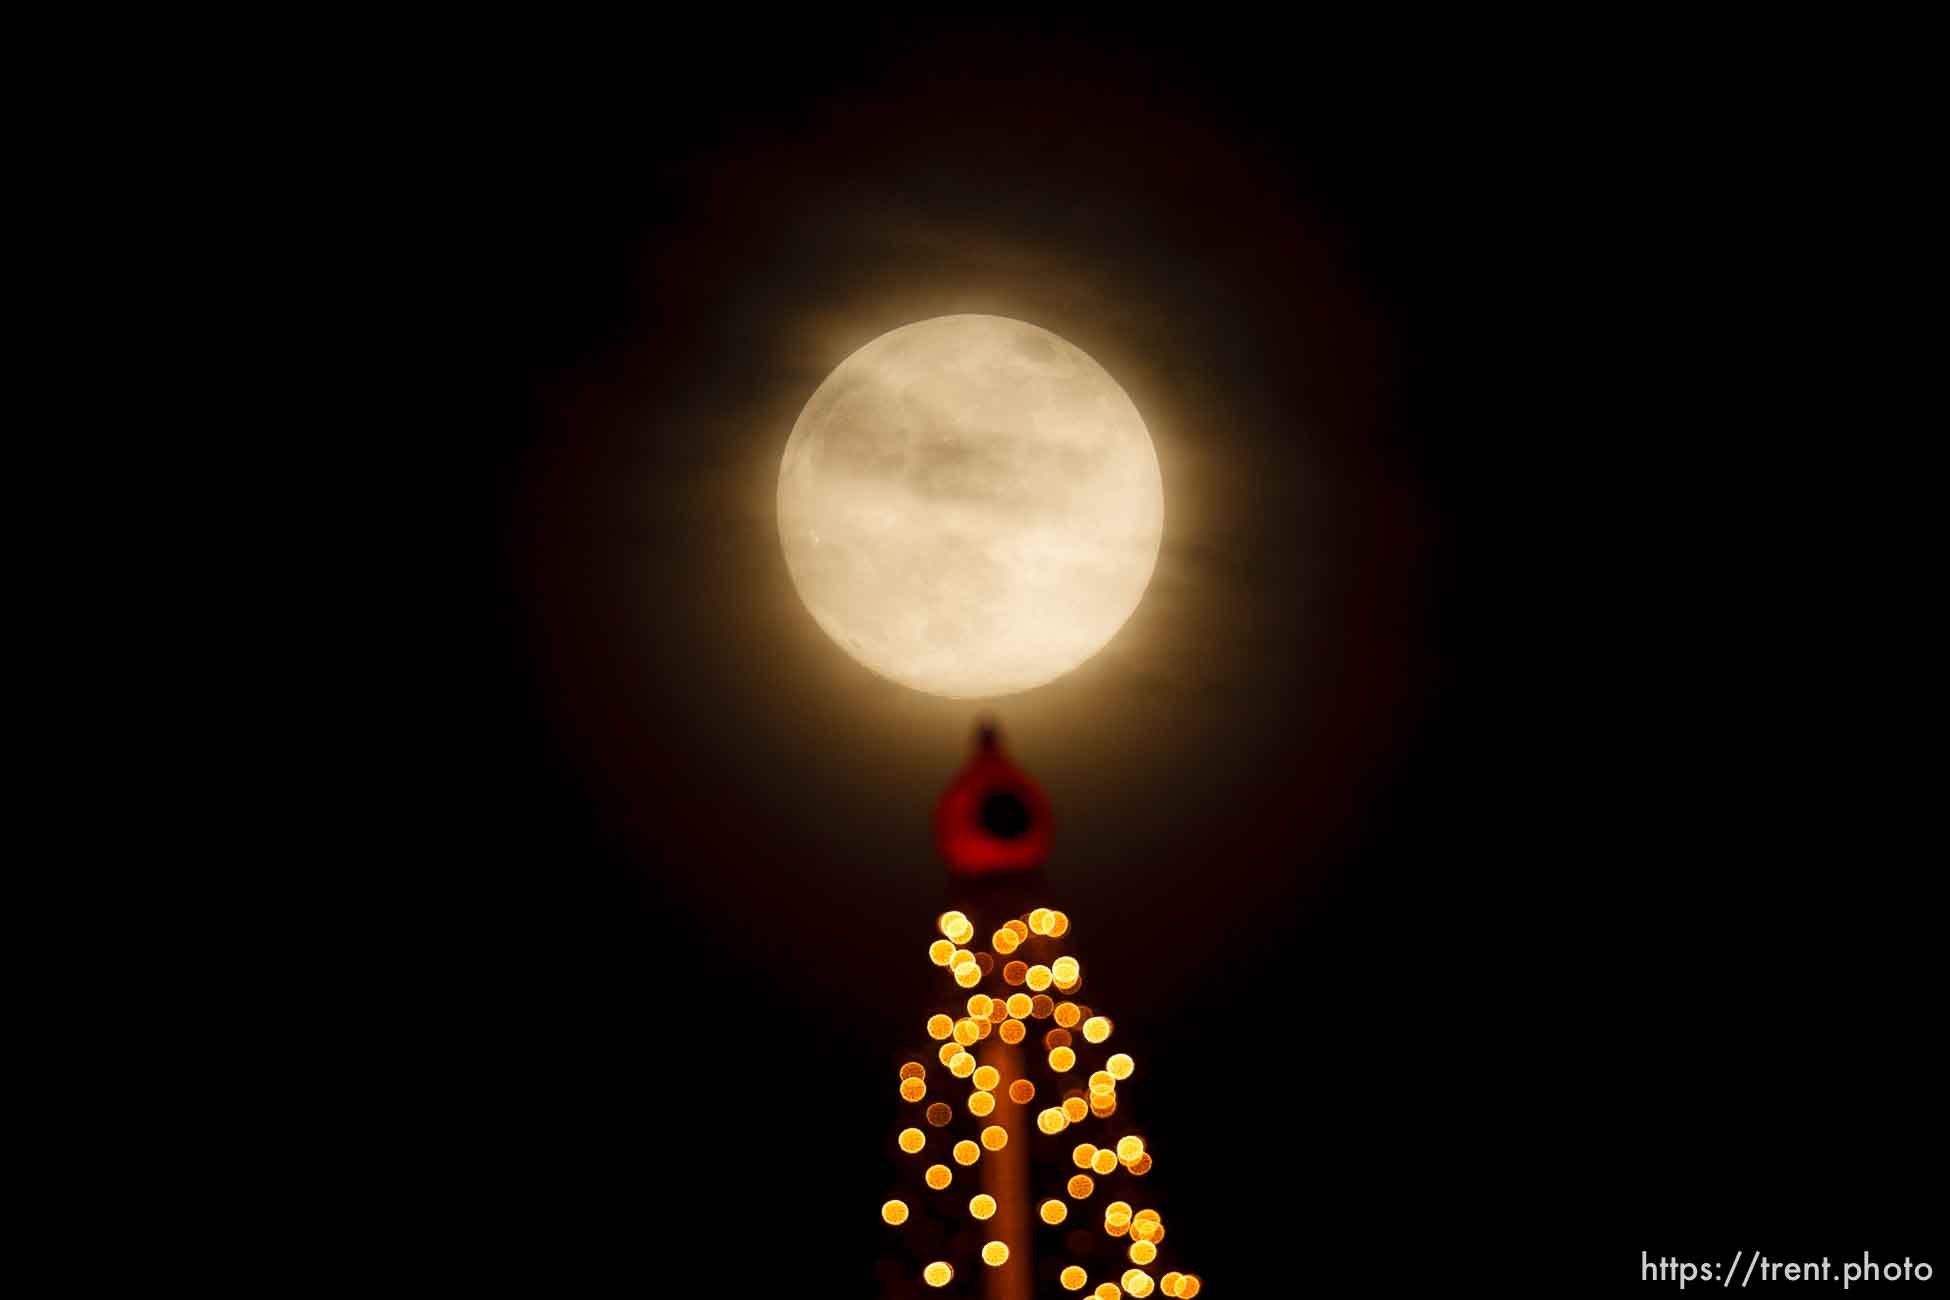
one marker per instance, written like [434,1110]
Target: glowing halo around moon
[970,506]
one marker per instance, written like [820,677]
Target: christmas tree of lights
[1012,1123]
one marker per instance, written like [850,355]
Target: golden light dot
[1153,1232]
[961,1067]
[1082,1185]
[1062,1059]
[1052,1120]
[1102,1080]
[1146,1216]
[978,1006]
[1073,1278]
[912,1140]
[967,1033]
[1118,1207]
[940,951]
[995,1137]
[1056,1038]
[981,1103]
[1075,1109]
[983,1029]
[1108,1291]
[1129,1149]
[894,1212]
[939,1176]
[1038,978]
[1041,1005]
[1083,1154]
[949,1051]
[1169,1282]
[995,1254]
[940,1113]
[966,1152]
[1104,1108]
[914,1070]
[1120,1067]
[1117,1227]
[940,1026]
[1188,1286]
[1012,1031]
[968,976]
[947,922]
[1039,920]
[982,1206]
[1005,941]
[1059,925]
[913,1089]
[1064,970]
[1019,1004]
[1054,1211]
[998,1011]
[939,1273]
[1105,1162]
[1137,1282]
[1020,930]
[1140,1166]
[1015,972]
[985,963]
[1142,1252]
[1067,1014]
[1096,1029]
[1022,1092]
[1071,987]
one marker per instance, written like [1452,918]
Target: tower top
[993,817]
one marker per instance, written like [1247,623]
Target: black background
[1590,966]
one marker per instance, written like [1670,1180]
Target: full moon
[970,506]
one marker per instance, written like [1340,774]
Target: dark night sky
[1377,784]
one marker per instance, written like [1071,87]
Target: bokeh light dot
[939,1273]
[912,1140]
[995,1254]
[982,1206]
[939,1176]
[1054,1211]
[894,1212]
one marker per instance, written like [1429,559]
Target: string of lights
[1017,1001]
